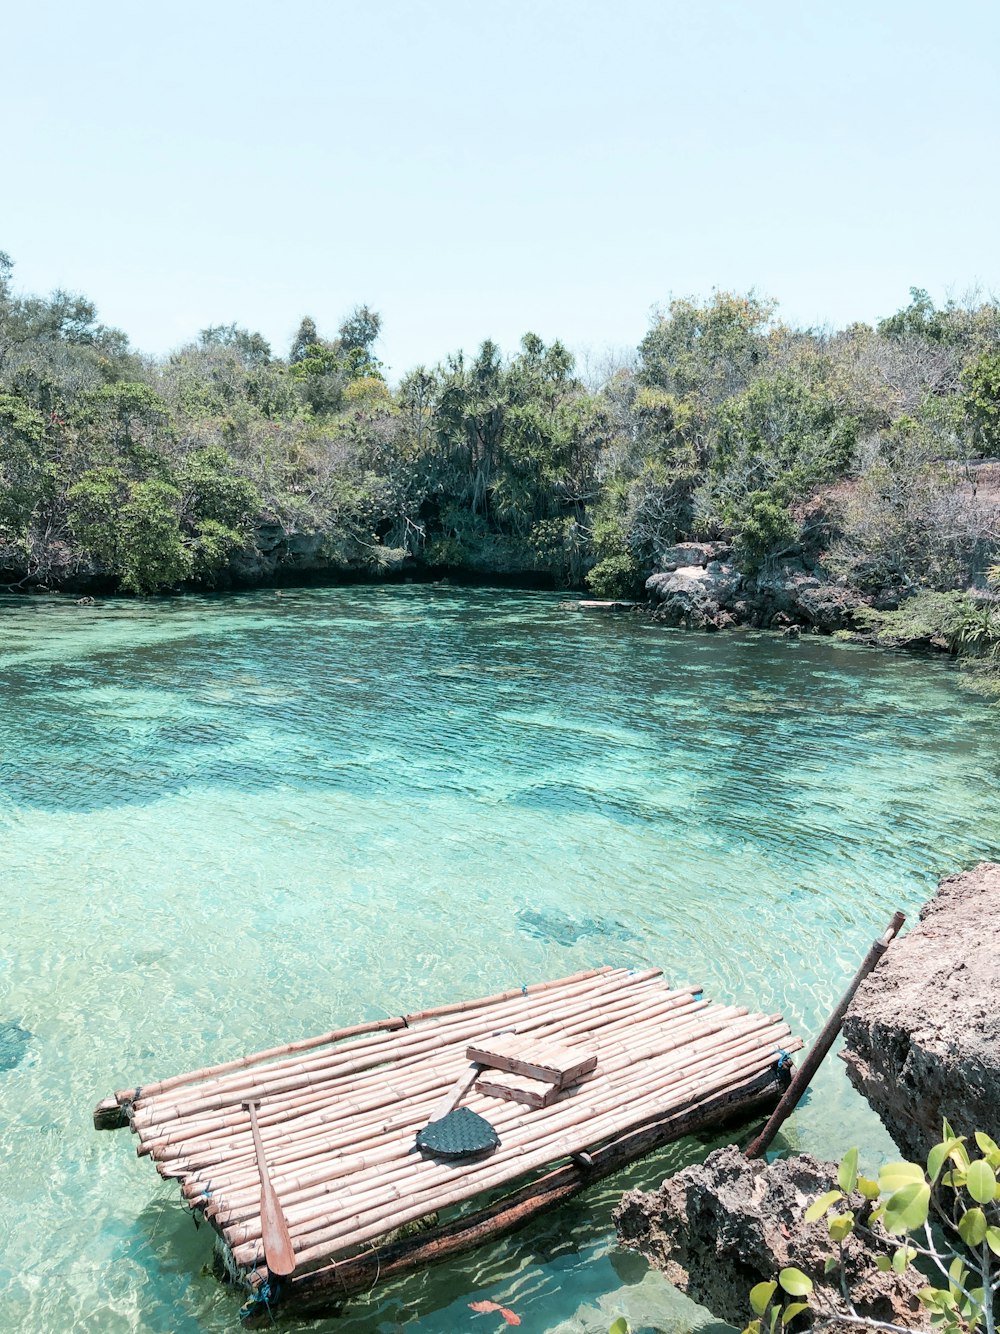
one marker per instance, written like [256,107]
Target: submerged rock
[922,1035]
[13,1044]
[718,1228]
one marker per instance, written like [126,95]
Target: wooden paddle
[279,1254]
[458,1091]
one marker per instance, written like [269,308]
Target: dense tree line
[861,448]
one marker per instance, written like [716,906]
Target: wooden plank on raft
[517,1088]
[548,1061]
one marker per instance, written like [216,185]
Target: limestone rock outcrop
[922,1035]
[719,1227]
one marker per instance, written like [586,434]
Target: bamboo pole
[283,1149]
[298,1154]
[295,1104]
[412,1170]
[294,1174]
[240,1062]
[669,1081]
[312,1294]
[328,1239]
[235,1081]
[209,1122]
[335,1035]
[415,1040]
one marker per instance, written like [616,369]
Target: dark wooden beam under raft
[339,1114]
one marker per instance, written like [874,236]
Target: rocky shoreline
[699,588]
[922,1043]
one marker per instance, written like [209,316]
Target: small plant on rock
[943,1220]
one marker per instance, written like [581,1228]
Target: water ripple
[227,822]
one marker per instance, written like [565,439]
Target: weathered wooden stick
[312,1293]
[279,1254]
[451,1100]
[823,1043]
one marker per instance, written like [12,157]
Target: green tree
[981,385]
[22,473]
[131,528]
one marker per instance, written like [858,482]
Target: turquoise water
[229,822]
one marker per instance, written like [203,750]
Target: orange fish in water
[505,1311]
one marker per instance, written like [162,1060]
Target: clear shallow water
[229,822]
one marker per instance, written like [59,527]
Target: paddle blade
[278,1251]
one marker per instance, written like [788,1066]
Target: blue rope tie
[697,995]
[524,988]
[784,1058]
[261,1298]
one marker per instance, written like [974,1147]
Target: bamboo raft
[339,1113]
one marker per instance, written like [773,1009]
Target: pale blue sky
[478,169]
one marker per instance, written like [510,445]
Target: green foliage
[948,1214]
[936,619]
[854,448]
[763,525]
[132,529]
[708,351]
[981,384]
[616,577]
[22,474]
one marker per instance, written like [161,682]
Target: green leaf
[847,1172]
[906,1209]
[752,1328]
[819,1207]
[792,1310]
[936,1159]
[883,1264]
[775,1312]
[620,1326]
[958,1273]
[958,1153]
[981,1182]
[902,1258]
[794,1282]
[993,1239]
[989,1148]
[972,1227]
[868,1188]
[830,1264]
[894,1176]
[760,1296]
[841,1226]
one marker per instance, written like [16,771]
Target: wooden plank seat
[547,1061]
